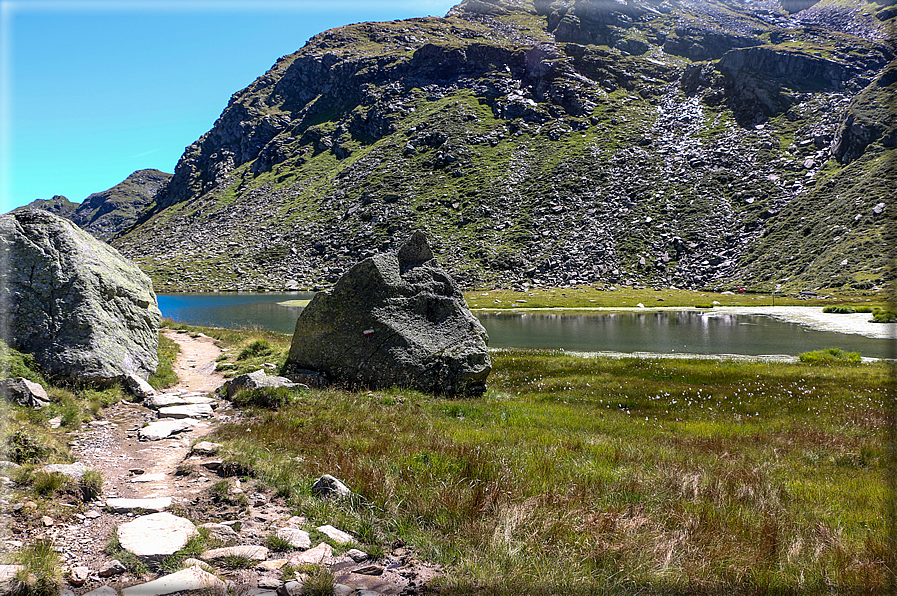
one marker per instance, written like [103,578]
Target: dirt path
[136,468]
[132,468]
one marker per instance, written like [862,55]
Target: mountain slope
[567,142]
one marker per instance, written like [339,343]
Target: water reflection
[686,332]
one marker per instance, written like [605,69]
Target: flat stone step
[162,429]
[148,478]
[188,581]
[156,536]
[154,505]
[186,411]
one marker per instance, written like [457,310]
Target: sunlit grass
[604,475]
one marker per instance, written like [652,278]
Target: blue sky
[92,90]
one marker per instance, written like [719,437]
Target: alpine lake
[686,332]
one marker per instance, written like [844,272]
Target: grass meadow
[596,476]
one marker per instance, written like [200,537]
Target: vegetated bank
[583,476]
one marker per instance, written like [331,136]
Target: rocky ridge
[109,213]
[696,144]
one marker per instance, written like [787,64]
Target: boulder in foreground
[394,319]
[84,311]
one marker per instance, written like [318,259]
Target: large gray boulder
[394,319]
[84,311]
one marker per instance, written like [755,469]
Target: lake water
[686,332]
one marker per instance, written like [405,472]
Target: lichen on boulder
[81,309]
[394,319]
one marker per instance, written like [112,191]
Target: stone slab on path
[155,536]
[163,400]
[154,505]
[148,478]
[162,429]
[188,581]
[186,411]
[248,551]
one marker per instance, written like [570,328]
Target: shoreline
[809,316]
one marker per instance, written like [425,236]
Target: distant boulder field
[81,309]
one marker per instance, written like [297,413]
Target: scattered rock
[78,576]
[7,576]
[248,551]
[155,536]
[138,387]
[206,448]
[153,505]
[336,535]
[394,319]
[256,380]
[190,580]
[290,588]
[356,555]
[314,556]
[113,567]
[220,533]
[296,537]
[24,392]
[142,478]
[74,471]
[328,486]
[369,570]
[272,564]
[104,322]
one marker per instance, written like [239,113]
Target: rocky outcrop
[83,311]
[24,392]
[394,319]
[58,205]
[869,119]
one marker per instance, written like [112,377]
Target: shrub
[91,485]
[265,397]
[277,544]
[22,448]
[318,581]
[45,483]
[256,348]
[830,356]
[841,310]
[40,574]
[883,316]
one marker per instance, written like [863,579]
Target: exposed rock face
[108,213]
[394,319]
[869,118]
[75,303]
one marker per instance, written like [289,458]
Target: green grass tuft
[829,356]
[41,575]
